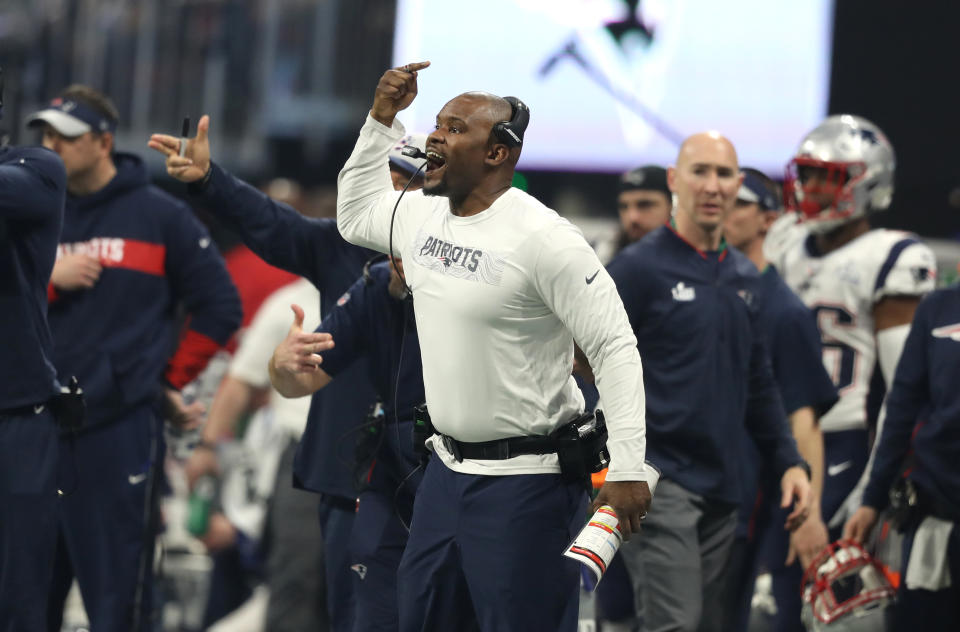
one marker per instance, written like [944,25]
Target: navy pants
[933,611]
[845,457]
[380,534]
[108,481]
[614,594]
[485,552]
[28,527]
[336,522]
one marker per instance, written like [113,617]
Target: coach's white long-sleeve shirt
[499,298]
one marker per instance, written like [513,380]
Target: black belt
[23,411]
[932,505]
[499,449]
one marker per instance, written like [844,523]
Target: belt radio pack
[422,430]
[69,407]
[580,445]
[368,443]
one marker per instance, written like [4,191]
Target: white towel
[928,568]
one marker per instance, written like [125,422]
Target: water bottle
[200,505]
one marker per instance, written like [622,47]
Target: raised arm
[279,234]
[365,196]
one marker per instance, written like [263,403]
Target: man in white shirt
[502,287]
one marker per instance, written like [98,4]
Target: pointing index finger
[414,67]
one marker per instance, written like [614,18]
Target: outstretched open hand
[195,161]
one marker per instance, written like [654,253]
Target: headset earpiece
[511,132]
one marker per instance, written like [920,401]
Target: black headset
[367,277]
[511,132]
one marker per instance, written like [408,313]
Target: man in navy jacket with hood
[129,256]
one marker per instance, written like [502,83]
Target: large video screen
[613,84]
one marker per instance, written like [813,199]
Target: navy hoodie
[32,188]
[118,337]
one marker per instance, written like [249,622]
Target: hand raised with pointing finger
[396,91]
[195,162]
[300,351]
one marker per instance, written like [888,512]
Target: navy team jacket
[32,189]
[705,367]
[314,249]
[119,337]
[368,322]
[927,379]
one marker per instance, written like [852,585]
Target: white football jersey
[842,288]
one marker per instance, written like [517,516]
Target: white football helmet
[846,590]
[842,170]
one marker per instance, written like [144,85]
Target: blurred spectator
[282,518]
[644,203]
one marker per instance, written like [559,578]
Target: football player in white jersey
[862,283]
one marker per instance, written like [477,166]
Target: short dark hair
[769,184]
[93,99]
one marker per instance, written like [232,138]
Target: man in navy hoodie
[129,257]
[32,188]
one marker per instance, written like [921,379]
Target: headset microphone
[412,152]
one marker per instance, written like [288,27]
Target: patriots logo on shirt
[949,331]
[747,296]
[458,261]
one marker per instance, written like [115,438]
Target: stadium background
[288,82]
